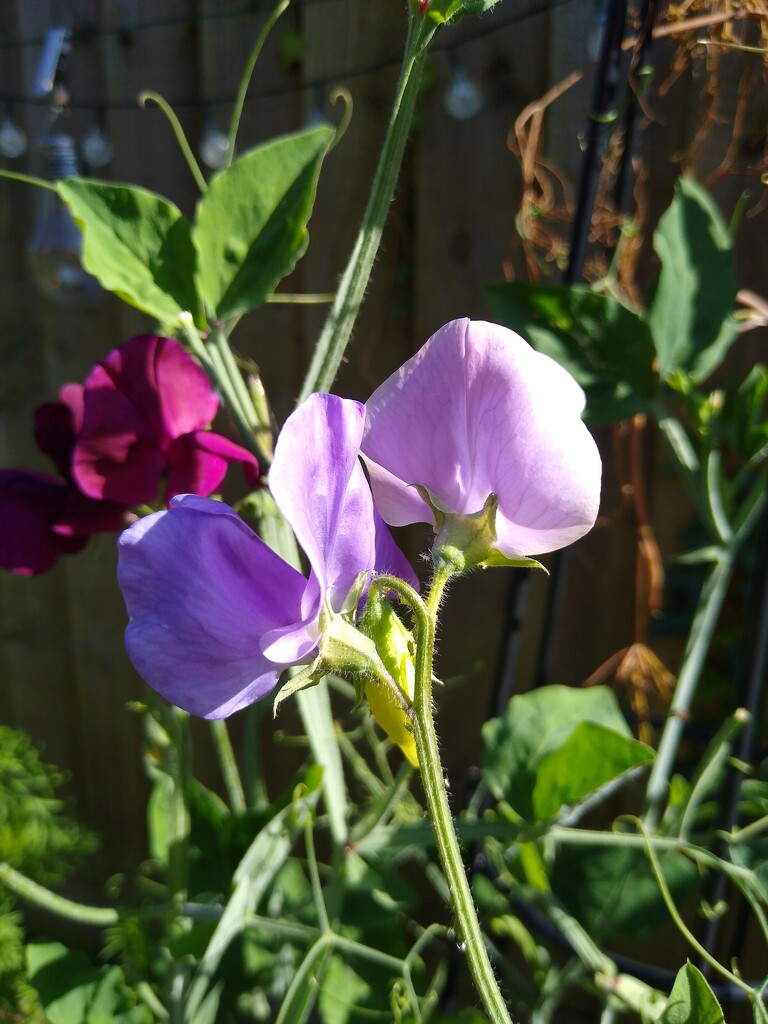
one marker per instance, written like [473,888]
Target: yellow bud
[394,644]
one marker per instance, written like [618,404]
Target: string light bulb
[13,141]
[214,146]
[96,148]
[463,98]
[55,247]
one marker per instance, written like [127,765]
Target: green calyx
[463,542]
[348,652]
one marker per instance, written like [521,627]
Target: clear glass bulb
[13,141]
[56,244]
[463,99]
[213,148]
[96,148]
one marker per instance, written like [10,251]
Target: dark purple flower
[145,410]
[475,413]
[30,503]
[216,615]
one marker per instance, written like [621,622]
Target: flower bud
[395,646]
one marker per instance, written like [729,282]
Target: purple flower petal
[320,488]
[477,411]
[202,590]
[29,504]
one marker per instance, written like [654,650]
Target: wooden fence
[65,676]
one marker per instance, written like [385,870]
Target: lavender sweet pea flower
[216,614]
[475,413]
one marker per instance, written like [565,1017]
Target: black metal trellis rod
[602,117]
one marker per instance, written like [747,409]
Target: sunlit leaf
[341,990]
[136,244]
[251,223]
[72,990]
[690,313]
[691,1000]
[554,746]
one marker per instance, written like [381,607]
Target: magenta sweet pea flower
[476,413]
[43,517]
[216,615]
[145,410]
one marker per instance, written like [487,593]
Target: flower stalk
[468,928]
[342,315]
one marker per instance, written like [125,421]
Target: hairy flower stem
[341,318]
[467,924]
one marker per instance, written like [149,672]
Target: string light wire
[481,31]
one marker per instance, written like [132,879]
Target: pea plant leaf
[690,312]
[136,244]
[74,991]
[691,1000]
[603,344]
[613,891]
[556,745]
[251,224]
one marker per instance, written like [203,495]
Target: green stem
[314,877]
[239,397]
[217,361]
[699,639]
[33,892]
[343,313]
[179,756]
[237,110]
[178,131]
[468,925]
[228,765]
[683,928]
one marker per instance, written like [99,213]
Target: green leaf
[73,991]
[137,244]
[251,223]
[253,877]
[341,990]
[565,775]
[613,891]
[604,345]
[690,313]
[554,746]
[443,11]
[691,1000]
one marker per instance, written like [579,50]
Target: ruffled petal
[202,590]
[198,462]
[136,401]
[478,411]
